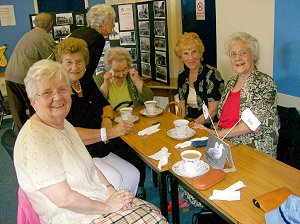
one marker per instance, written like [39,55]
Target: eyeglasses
[50,93]
[242,54]
[123,72]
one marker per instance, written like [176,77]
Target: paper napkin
[189,143]
[163,157]
[229,194]
[150,130]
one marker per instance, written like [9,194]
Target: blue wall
[10,35]
[287,47]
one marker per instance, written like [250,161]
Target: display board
[64,23]
[141,28]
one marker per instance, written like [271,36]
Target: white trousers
[120,173]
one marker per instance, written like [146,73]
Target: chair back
[177,107]
[288,148]
[26,214]
[4,107]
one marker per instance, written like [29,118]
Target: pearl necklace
[77,91]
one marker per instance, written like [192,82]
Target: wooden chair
[177,106]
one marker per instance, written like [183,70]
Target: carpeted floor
[8,183]
[9,187]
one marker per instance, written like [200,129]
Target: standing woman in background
[100,23]
[248,88]
[198,82]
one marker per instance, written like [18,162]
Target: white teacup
[191,160]
[181,127]
[150,106]
[126,113]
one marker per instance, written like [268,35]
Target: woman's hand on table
[199,126]
[119,200]
[122,128]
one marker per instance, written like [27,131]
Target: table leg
[163,194]
[174,199]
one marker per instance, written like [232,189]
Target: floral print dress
[259,93]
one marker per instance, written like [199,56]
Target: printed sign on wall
[200,9]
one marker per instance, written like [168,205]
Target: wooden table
[260,173]
[148,145]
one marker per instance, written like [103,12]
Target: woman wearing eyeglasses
[53,167]
[92,116]
[248,88]
[198,82]
[120,83]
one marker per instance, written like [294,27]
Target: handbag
[272,200]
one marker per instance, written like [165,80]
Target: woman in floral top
[249,88]
[198,82]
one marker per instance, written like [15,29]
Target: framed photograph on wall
[127,38]
[145,44]
[143,11]
[133,53]
[145,57]
[162,74]
[160,58]
[64,18]
[146,70]
[159,9]
[160,44]
[80,20]
[115,35]
[160,28]
[144,28]
[61,31]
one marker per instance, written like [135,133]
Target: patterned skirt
[140,212]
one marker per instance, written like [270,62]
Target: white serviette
[189,143]
[229,194]
[150,130]
[163,157]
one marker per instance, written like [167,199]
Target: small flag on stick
[206,115]
[205,111]
[249,118]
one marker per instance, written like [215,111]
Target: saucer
[179,170]
[172,134]
[133,118]
[157,112]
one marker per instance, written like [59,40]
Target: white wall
[255,17]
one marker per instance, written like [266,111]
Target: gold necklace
[76,90]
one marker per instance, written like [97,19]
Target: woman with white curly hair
[100,20]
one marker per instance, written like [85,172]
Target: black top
[209,87]
[86,112]
[95,42]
